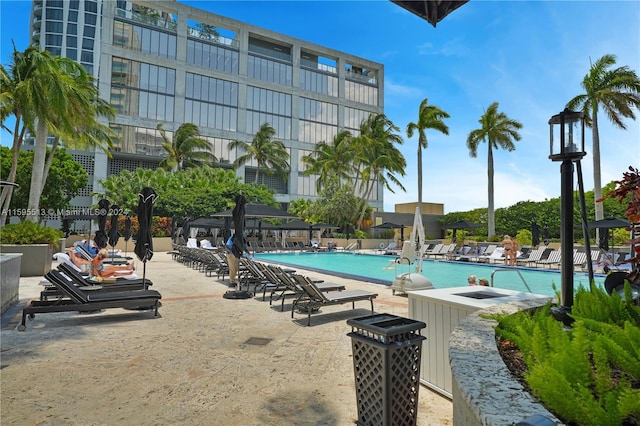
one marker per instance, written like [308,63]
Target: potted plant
[34,241]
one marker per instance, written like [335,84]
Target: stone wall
[484,392]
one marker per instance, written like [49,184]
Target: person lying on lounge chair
[99,271]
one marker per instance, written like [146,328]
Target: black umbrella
[545,235]
[387,225]
[239,213]
[127,231]
[238,243]
[296,225]
[535,234]
[144,242]
[101,234]
[114,235]
[186,224]
[433,11]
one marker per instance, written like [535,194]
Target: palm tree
[499,131]
[186,148]
[617,91]
[50,95]
[331,160]
[269,154]
[376,157]
[429,117]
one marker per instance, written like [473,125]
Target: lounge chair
[312,298]
[533,257]
[389,247]
[554,258]
[473,254]
[435,249]
[79,280]
[497,254]
[83,301]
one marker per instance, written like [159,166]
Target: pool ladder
[511,270]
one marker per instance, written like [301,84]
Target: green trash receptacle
[386,365]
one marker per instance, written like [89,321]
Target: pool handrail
[510,270]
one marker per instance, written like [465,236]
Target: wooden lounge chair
[313,298]
[82,301]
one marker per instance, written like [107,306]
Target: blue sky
[530,56]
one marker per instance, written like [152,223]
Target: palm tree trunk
[49,160]
[367,193]
[597,178]
[7,192]
[490,210]
[420,177]
[257,174]
[37,176]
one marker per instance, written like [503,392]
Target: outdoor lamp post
[566,137]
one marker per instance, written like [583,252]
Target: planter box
[9,280]
[36,258]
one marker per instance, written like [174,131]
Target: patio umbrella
[535,234]
[432,11]
[608,223]
[144,242]
[238,247]
[185,228]
[545,235]
[114,235]
[127,232]
[101,234]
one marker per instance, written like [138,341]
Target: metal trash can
[386,365]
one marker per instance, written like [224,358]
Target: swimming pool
[443,274]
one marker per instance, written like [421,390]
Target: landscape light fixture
[566,144]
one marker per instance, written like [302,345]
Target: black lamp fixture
[566,144]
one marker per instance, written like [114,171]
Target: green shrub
[29,233]
[590,373]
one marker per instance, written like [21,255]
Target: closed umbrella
[114,235]
[535,234]
[144,243]
[545,235]
[186,224]
[238,247]
[101,234]
[127,232]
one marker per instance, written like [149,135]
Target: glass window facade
[142,90]
[318,82]
[139,140]
[212,56]
[211,102]
[353,118]
[318,121]
[267,106]
[363,93]
[306,184]
[146,40]
[269,70]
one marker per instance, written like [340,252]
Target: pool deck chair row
[313,298]
[83,301]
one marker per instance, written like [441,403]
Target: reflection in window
[353,118]
[212,56]
[211,102]
[142,90]
[270,70]
[139,140]
[143,39]
[318,121]
[318,82]
[362,93]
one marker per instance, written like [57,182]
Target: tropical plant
[29,233]
[197,191]
[588,374]
[617,92]
[377,158]
[270,155]
[50,95]
[429,117]
[186,148]
[65,179]
[499,131]
[330,160]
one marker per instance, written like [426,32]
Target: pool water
[443,274]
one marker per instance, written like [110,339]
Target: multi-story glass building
[166,62]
